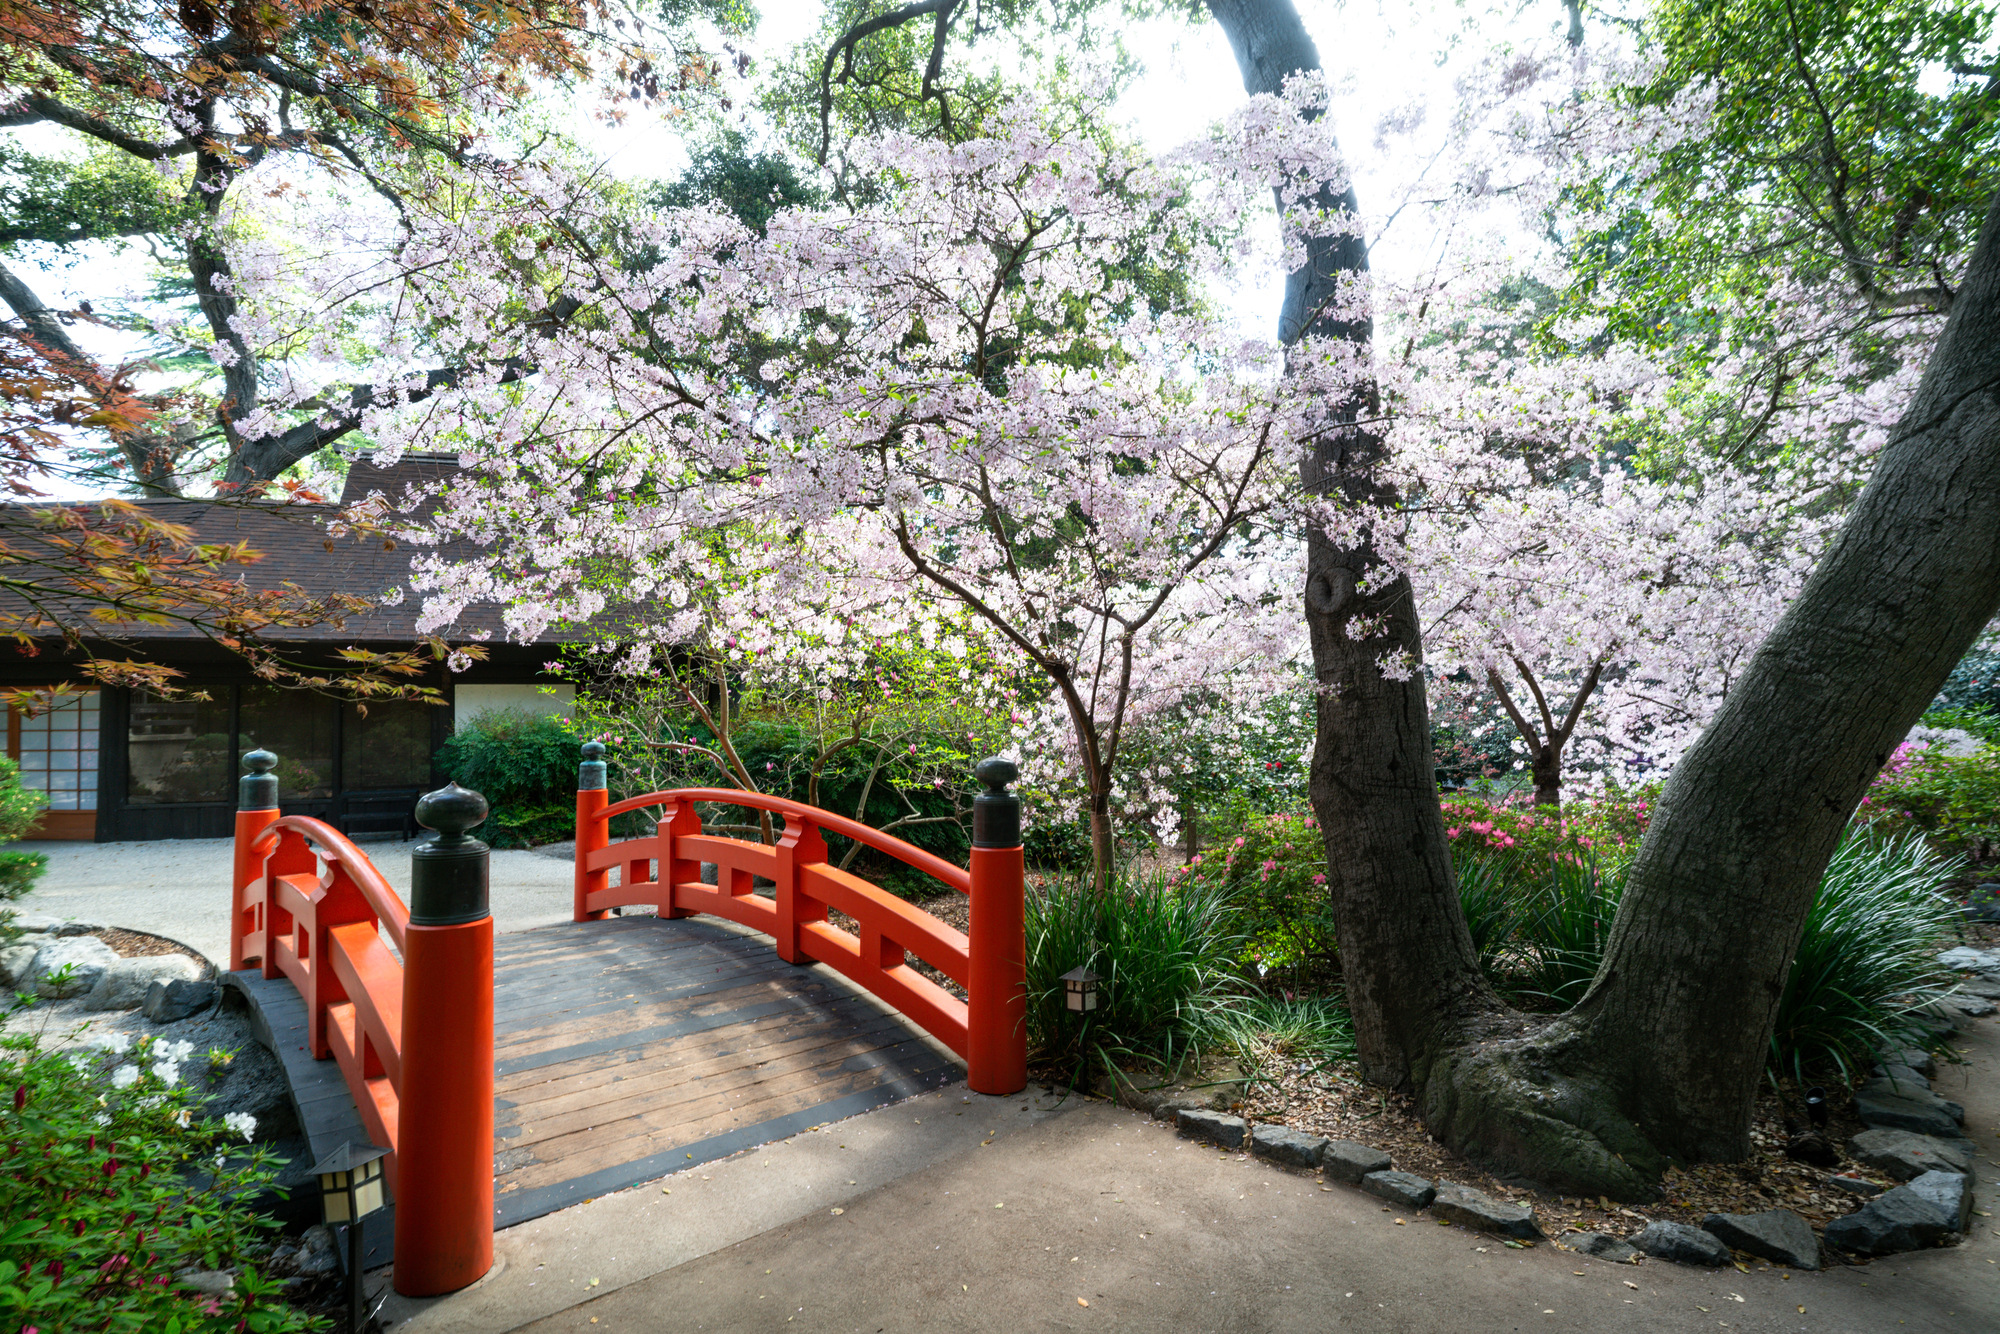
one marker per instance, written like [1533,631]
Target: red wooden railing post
[256,808]
[679,820]
[800,846]
[444,1137]
[593,831]
[997,988]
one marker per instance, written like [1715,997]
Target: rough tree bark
[1661,1059]
[1412,975]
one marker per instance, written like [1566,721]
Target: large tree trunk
[1412,976]
[1661,1059]
[1726,876]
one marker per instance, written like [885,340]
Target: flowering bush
[1605,829]
[110,1186]
[1955,798]
[1276,869]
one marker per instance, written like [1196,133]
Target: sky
[1377,57]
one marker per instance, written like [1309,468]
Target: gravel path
[180,888]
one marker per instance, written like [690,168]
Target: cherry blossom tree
[975,403]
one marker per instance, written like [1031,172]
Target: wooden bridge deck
[627,1048]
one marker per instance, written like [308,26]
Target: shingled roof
[297,549]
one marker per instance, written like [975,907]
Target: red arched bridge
[511,1077]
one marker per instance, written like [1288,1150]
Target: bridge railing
[662,870]
[308,906]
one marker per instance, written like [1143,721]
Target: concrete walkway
[966,1213]
[179,888]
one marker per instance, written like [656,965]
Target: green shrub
[524,764]
[1954,798]
[1868,957]
[109,1186]
[20,806]
[1275,871]
[1165,953]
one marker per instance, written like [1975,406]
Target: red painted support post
[800,846]
[997,990]
[444,1118]
[256,809]
[593,831]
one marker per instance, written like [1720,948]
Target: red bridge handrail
[662,870]
[312,908]
[309,906]
[336,848]
[908,853]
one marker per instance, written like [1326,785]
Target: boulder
[1404,1188]
[253,1083]
[1216,1127]
[1281,1144]
[317,1254]
[1603,1247]
[1904,1155]
[1987,988]
[1973,1007]
[1344,1160]
[1778,1235]
[1971,960]
[1919,1111]
[1901,1078]
[1913,1058]
[1852,1185]
[179,998]
[85,956]
[76,928]
[1896,1221]
[1477,1209]
[15,961]
[1951,1192]
[35,922]
[123,985]
[1682,1244]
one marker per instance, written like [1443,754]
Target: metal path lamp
[350,1189]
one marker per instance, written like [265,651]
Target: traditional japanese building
[124,763]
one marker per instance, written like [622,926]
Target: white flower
[168,1072]
[125,1077]
[243,1123]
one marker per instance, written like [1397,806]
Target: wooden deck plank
[635,1046]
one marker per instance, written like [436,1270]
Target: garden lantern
[1080,989]
[1816,1106]
[350,1189]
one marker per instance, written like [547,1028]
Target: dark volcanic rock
[1402,1188]
[1906,1156]
[1776,1234]
[1477,1209]
[1216,1127]
[1281,1144]
[1603,1247]
[1951,1192]
[1899,1220]
[1682,1244]
[1344,1160]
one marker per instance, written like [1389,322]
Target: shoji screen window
[57,752]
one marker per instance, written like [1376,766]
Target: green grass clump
[1868,957]
[1166,957]
[1269,1031]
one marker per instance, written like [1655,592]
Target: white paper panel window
[59,753]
